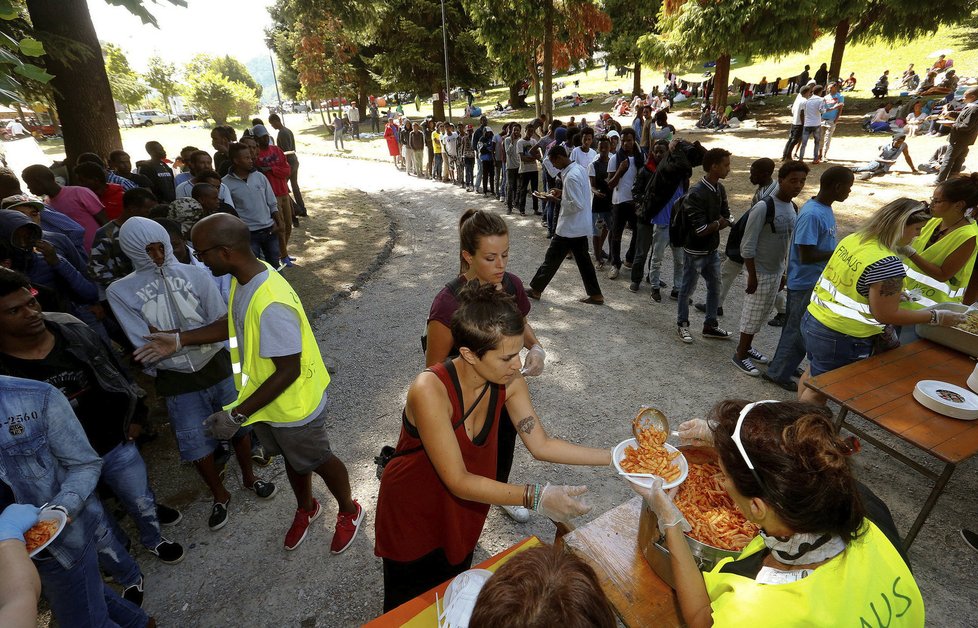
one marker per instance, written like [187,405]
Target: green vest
[304,395]
[835,301]
[868,586]
[930,290]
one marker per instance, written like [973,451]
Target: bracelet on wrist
[933,317]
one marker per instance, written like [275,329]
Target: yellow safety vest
[867,586]
[304,395]
[926,290]
[835,301]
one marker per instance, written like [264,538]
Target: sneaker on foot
[300,525]
[168,552]
[674,295]
[778,320]
[219,516]
[168,516]
[685,335]
[615,271]
[533,294]
[627,265]
[757,356]
[634,286]
[259,457]
[970,538]
[264,490]
[715,333]
[656,295]
[518,514]
[746,366]
[347,526]
[789,385]
[134,593]
[701,307]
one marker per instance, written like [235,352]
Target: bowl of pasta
[641,462]
[50,523]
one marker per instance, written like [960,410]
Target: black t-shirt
[169,383]
[100,412]
[161,178]
[137,178]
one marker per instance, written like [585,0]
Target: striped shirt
[887,268]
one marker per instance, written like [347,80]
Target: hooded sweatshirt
[173,296]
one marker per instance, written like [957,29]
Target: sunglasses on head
[740,445]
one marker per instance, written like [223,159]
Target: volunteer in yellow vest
[941,260]
[278,372]
[825,555]
[860,291]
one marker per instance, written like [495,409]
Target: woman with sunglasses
[860,291]
[436,490]
[941,260]
[820,558]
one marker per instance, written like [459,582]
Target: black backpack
[679,224]
[736,234]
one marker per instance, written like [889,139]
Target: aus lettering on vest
[888,606]
[845,256]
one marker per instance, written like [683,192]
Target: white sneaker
[517,513]
[614,272]
[685,335]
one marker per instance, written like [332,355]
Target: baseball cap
[613,133]
[259,130]
[21,199]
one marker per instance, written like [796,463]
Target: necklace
[940,233]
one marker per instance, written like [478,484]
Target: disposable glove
[533,364]
[562,503]
[906,251]
[695,432]
[16,519]
[947,318]
[161,345]
[661,504]
[221,425]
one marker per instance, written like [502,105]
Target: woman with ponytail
[436,490]
[820,559]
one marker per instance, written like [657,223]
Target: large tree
[126,87]
[719,30]
[162,76]
[630,20]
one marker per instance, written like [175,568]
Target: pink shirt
[81,205]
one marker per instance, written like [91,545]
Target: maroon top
[416,513]
[445,303]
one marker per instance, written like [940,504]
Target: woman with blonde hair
[860,291]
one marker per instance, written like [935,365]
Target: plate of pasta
[50,523]
[642,462]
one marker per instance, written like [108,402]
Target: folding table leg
[841,417]
[935,493]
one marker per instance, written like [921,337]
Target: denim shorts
[187,414]
[600,217]
[829,349]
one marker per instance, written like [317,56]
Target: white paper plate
[619,455]
[474,579]
[51,514]
[947,399]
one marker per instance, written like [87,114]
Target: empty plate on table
[642,479]
[947,399]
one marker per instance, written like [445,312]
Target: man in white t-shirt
[529,171]
[584,154]
[624,164]
[353,115]
[813,110]
[797,122]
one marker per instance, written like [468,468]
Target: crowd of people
[181,272]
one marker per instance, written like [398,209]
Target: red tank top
[416,513]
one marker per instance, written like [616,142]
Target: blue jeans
[124,471]
[187,413]
[79,598]
[829,349]
[110,542]
[478,171]
[660,242]
[264,244]
[791,346]
[693,266]
[807,132]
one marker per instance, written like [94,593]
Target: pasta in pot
[712,515]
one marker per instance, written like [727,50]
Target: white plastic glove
[695,432]
[161,345]
[906,251]
[221,425]
[533,364]
[661,504]
[562,503]
[947,318]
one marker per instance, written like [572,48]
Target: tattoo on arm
[526,425]
[889,287]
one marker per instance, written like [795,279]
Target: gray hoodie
[171,296]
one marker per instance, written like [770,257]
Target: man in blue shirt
[812,244]
[834,103]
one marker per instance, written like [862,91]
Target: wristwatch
[237,417]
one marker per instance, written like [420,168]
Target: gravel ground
[602,364]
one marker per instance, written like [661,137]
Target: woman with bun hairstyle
[819,559]
[860,291]
[941,260]
[436,490]
[484,244]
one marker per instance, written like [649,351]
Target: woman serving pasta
[818,560]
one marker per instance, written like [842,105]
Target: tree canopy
[162,77]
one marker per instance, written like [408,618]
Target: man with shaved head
[278,372]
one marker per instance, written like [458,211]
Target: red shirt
[111,198]
[416,513]
[279,170]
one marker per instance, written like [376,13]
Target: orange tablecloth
[420,612]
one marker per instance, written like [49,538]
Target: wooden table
[421,612]
[880,390]
[609,544]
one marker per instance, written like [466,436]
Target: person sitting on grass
[889,154]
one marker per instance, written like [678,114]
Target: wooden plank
[609,544]
[959,448]
[863,366]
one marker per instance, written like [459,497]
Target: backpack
[679,225]
[454,286]
[737,230]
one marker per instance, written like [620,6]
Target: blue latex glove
[16,519]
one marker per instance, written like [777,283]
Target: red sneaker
[300,525]
[347,525]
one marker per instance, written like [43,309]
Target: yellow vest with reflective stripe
[926,290]
[867,585]
[835,301]
[304,395]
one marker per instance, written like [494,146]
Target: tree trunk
[548,59]
[515,100]
[438,110]
[841,34]
[721,84]
[81,88]
[637,79]
[53,112]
